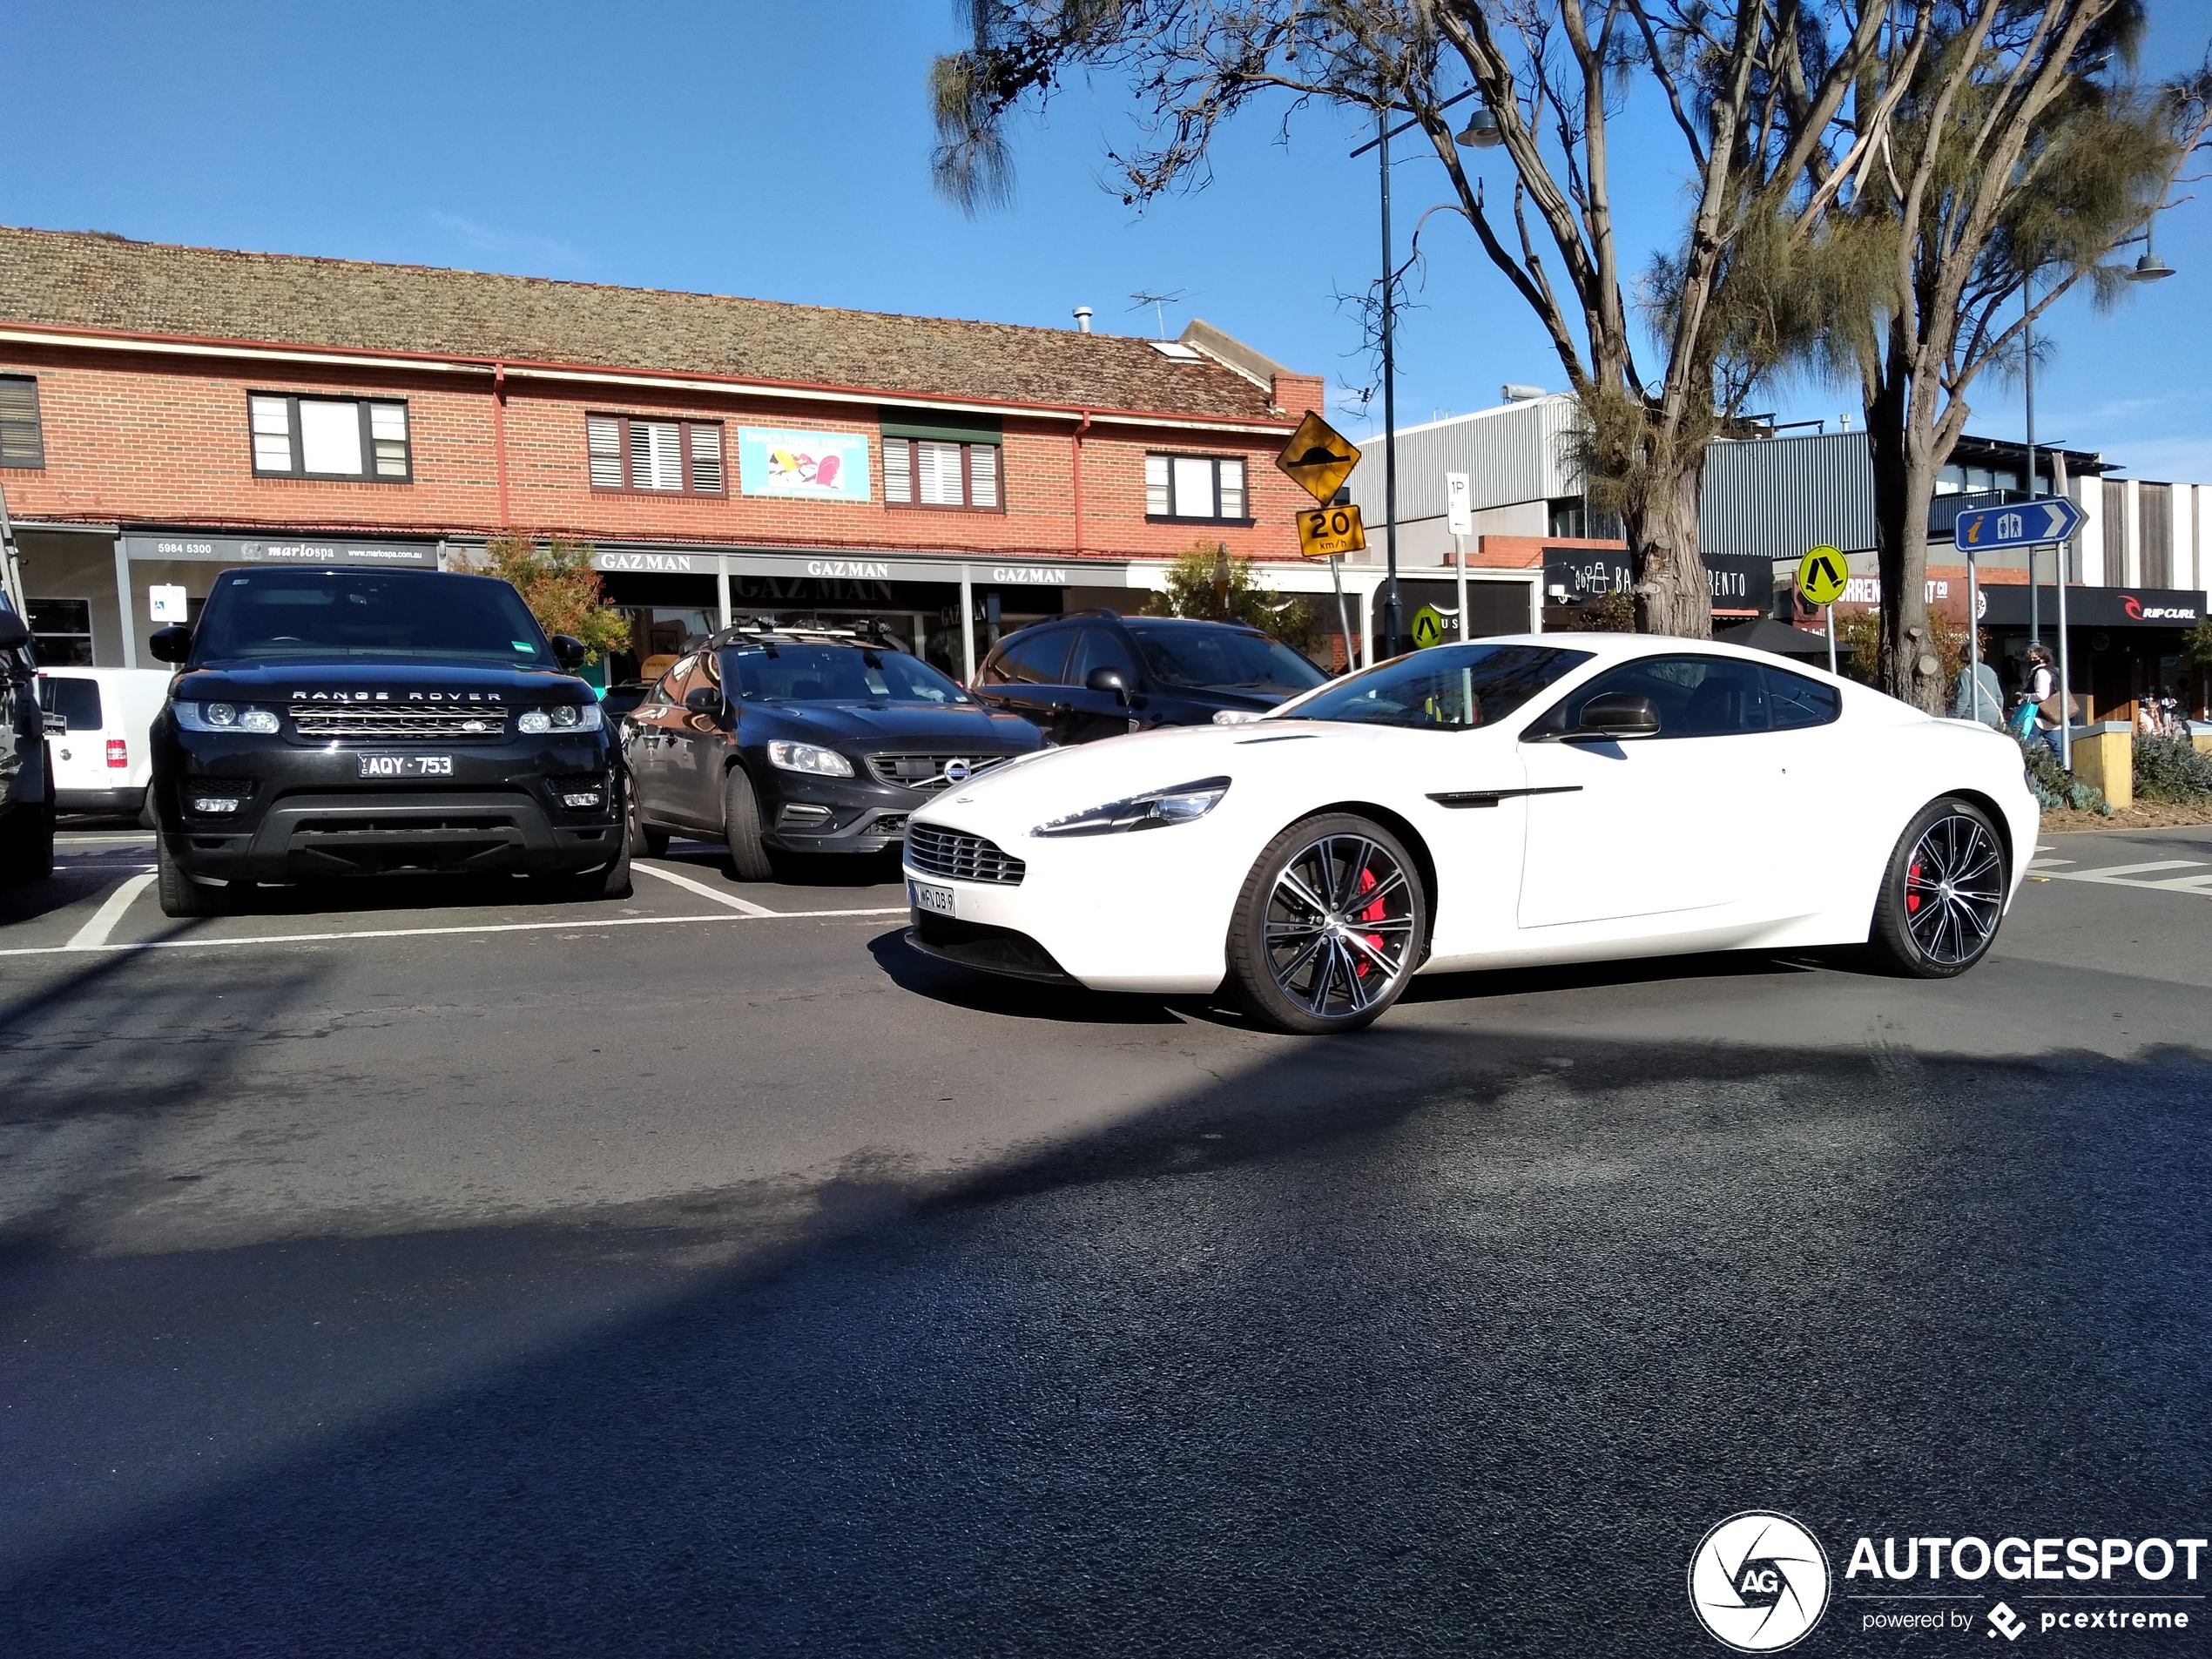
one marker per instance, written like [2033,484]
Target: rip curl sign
[1758,1581]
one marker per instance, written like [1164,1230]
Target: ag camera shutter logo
[1758,1581]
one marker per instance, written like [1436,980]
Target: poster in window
[813,466]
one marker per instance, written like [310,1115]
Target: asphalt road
[439,1272]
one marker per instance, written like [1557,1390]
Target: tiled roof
[78,280]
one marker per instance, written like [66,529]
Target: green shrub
[2166,770]
[2054,786]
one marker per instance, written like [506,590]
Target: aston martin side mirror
[1617,716]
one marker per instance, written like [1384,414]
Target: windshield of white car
[1445,688]
[770,673]
[1222,659]
[283,616]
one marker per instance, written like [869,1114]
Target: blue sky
[781,151]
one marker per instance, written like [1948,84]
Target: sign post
[1821,575]
[1319,459]
[1459,514]
[2028,524]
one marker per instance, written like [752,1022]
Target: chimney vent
[1082,319]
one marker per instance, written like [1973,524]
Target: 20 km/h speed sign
[1326,531]
[1821,575]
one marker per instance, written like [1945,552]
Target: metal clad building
[1511,454]
[1775,497]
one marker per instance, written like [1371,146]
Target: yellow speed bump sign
[1821,575]
[1326,531]
[1429,628]
[1319,457]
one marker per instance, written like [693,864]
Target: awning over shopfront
[2006,605]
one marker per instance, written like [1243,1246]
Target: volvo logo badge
[958,771]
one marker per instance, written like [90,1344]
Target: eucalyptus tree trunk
[1672,594]
[1907,450]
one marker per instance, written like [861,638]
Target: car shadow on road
[963,987]
[792,869]
[1491,983]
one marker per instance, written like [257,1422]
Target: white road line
[424,933]
[93,935]
[2121,873]
[705,891]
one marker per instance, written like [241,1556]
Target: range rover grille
[927,772]
[961,857]
[403,722]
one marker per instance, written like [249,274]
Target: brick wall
[159,438]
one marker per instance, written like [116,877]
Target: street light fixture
[1481,132]
[2150,267]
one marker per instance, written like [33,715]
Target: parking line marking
[2123,872]
[705,891]
[93,934]
[483,927]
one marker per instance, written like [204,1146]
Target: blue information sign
[2027,523]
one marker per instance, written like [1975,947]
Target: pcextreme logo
[1758,1581]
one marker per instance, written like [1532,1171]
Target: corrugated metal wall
[1775,497]
[1509,454]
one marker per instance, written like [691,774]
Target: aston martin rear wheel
[1328,927]
[1943,893]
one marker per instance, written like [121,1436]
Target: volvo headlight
[1183,804]
[565,717]
[805,757]
[225,716]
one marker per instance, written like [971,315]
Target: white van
[102,760]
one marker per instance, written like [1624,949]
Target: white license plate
[927,895]
[406,766]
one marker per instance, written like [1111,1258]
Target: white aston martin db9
[1535,799]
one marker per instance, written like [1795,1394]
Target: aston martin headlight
[806,757]
[1183,804]
[225,716]
[564,716]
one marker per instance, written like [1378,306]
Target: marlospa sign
[805,466]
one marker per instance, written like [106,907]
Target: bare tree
[1769,98]
[2015,154]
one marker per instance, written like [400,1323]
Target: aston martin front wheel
[1328,927]
[1943,893]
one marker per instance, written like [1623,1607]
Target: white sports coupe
[1533,798]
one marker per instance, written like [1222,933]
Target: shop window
[663,457]
[1205,488]
[331,437]
[23,441]
[61,632]
[936,472]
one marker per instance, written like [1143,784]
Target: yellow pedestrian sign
[1319,458]
[1323,532]
[1430,627]
[1821,575]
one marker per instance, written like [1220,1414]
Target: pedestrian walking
[1978,695]
[2035,720]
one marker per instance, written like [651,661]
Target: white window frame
[1160,489]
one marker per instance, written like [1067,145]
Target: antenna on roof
[1158,302]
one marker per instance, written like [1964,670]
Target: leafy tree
[558,584]
[2016,157]
[1770,103]
[1199,585]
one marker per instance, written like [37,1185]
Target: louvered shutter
[706,459]
[271,434]
[898,471]
[1233,488]
[603,438]
[388,433]
[940,469]
[655,461]
[983,475]
[1157,501]
[21,441]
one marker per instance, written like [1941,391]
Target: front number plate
[926,895]
[406,766]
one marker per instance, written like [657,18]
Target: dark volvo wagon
[337,722]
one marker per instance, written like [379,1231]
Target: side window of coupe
[1694,695]
[1798,702]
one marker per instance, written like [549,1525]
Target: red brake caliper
[1375,911]
[1912,880]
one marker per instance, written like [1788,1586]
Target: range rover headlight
[226,717]
[806,757]
[562,716]
[1183,804]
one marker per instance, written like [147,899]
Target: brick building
[166,411]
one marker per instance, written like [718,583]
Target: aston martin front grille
[399,722]
[961,857]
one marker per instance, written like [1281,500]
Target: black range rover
[803,742]
[331,722]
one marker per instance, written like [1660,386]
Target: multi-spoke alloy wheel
[1943,893]
[1329,925]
